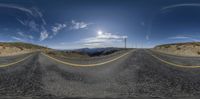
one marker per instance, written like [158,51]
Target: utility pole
[125,42]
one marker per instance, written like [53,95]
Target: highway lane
[7,60]
[64,80]
[21,79]
[181,60]
[135,75]
[157,78]
[89,63]
[89,60]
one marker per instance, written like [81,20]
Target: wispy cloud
[79,25]
[147,37]
[34,20]
[179,37]
[21,21]
[17,38]
[103,39]
[184,37]
[25,35]
[34,12]
[73,25]
[180,5]
[105,35]
[44,35]
[94,44]
[17,7]
[39,14]
[57,28]
[31,24]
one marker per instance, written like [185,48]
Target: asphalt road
[139,74]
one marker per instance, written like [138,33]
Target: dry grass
[182,49]
[15,48]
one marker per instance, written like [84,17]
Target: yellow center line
[6,65]
[86,65]
[173,64]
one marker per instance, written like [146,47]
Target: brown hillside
[183,49]
[15,48]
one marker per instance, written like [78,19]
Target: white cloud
[79,25]
[57,28]
[105,35]
[20,33]
[103,39]
[147,37]
[180,5]
[34,20]
[34,12]
[43,35]
[17,7]
[25,35]
[184,37]
[38,13]
[94,44]
[178,37]
[21,21]
[17,38]
[31,24]
[73,25]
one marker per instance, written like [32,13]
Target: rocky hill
[182,49]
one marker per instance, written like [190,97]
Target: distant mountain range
[96,51]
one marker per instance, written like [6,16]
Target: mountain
[97,51]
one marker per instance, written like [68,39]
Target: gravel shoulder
[23,79]
[182,60]
[10,59]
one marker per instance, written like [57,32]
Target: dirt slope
[182,49]
[15,48]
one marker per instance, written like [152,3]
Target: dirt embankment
[181,49]
[7,51]
[15,48]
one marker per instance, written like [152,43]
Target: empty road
[142,74]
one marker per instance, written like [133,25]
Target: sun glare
[100,32]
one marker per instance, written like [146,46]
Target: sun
[100,32]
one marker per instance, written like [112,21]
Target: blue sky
[71,24]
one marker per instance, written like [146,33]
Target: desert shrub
[167,46]
[198,52]
[178,48]
[51,53]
